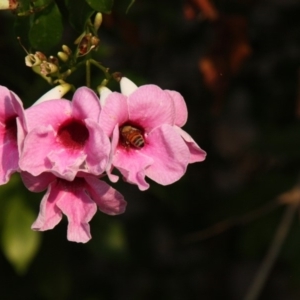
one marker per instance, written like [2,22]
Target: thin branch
[222,226]
[88,73]
[271,257]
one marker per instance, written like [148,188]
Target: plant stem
[103,69]
[274,250]
[88,73]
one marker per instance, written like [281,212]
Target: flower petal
[86,104]
[132,164]
[50,157]
[52,112]
[7,104]
[97,147]
[149,106]
[49,215]
[37,183]
[196,153]
[114,144]
[170,154]
[9,157]
[79,209]
[109,200]
[127,86]
[180,108]
[114,112]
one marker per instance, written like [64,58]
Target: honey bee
[132,136]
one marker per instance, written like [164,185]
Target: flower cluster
[66,147]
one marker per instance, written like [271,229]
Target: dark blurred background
[237,65]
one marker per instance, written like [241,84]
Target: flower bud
[8,4]
[117,76]
[95,41]
[41,55]
[53,60]
[66,49]
[98,21]
[56,93]
[48,68]
[63,56]
[103,92]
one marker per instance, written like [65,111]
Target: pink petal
[180,108]
[37,183]
[11,135]
[86,104]
[97,148]
[9,157]
[53,112]
[50,157]
[170,155]
[196,153]
[114,112]
[109,200]
[114,144]
[50,215]
[18,108]
[149,106]
[7,109]
[79,209]
[132,164]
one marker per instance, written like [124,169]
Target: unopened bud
[63,56]
[56,93]
[41,55]
[48,68]
[98,21]
[117,76]
[104,92]
[8,4]
[95,41]
[53,60]
[66,49]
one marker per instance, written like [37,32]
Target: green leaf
[19,242]
[47,28]
[103,6]
[79,13]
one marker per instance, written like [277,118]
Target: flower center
[72,186]
[73,134]
[132,137]
[11,127]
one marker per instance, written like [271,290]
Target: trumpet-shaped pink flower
[65,137]
[77,199]
[146,138]
[11,138]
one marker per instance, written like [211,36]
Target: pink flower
[77,199]
[65,137]
[11,138]
[146,140]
